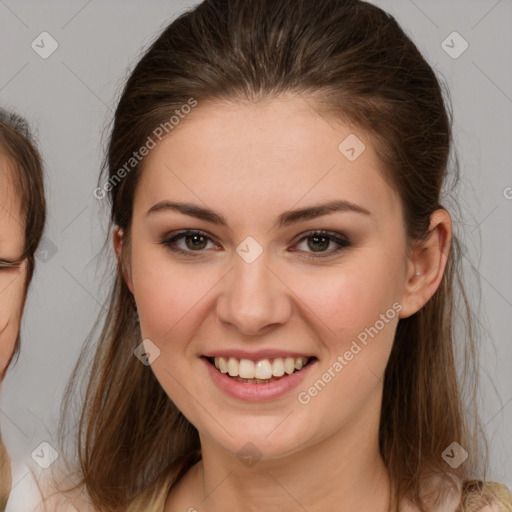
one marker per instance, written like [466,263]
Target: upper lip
[257,355]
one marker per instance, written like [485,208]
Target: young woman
[280,332]
[22,218]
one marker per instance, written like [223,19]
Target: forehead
[277,153]
[11,217]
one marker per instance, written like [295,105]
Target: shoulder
[24,493]
[479,496]
[51,498]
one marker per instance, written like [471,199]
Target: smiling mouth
[262,371]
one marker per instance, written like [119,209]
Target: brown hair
[26,172]
[351,60]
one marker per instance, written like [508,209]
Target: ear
[117,240]
[427,263]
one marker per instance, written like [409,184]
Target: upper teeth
[262,369]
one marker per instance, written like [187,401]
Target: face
[265,289]
[12,275]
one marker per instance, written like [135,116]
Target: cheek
[7,343]
[169,296]
[355,311]
[345,299]
[11,304]
[351,297]
[356,303]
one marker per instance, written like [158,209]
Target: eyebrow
[285,219]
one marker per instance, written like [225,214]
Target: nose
[254,297]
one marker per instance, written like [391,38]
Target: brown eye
[317,245]
[319,241]
[195,242]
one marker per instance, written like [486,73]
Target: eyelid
[341,240]
[173,237]
[9,264]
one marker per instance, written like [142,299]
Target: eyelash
[342,242]
[8,264]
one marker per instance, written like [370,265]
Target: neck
[343,472]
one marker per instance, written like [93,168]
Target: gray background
[69,97]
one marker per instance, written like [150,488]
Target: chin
[265,439]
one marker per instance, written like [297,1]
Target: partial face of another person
[12,278]
[255,285]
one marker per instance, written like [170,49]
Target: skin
[12,282]
[251,162]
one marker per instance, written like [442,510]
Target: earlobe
[427,264]
[117,241]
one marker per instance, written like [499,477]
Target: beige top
[477,496]
[483,497]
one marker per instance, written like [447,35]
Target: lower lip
[258,392]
